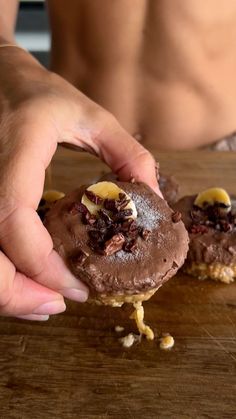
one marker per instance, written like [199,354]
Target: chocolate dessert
[120,238]
[210,218]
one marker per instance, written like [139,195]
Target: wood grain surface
[73,366]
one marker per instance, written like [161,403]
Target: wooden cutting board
[73,366]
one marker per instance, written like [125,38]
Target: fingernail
[34,317]
[53,307]
[75,294]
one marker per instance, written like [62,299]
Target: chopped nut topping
[176,216]
[130,246]
[93,197]
[145,233]
[116,205]
[114,244]
[111,228]
[213,216]
[78,207]
[121,215]
[89,218]
[195,229]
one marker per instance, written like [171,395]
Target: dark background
[32,27]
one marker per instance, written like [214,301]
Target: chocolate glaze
[152,263]
[211,246]
[168,185]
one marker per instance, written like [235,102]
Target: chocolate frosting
[153,262]
[168,185]
[212,245]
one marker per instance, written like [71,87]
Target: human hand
[38,110]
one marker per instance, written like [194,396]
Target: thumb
[126,157]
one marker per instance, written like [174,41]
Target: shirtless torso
[165,68]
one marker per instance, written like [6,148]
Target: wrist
[16,60]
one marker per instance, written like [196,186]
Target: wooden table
[73,366]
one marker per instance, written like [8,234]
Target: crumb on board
[129,340]
[119,329]
[167,341]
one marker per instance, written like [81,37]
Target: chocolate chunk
[145,234]
[97,200]
[121,215]
[176,216]
[114,228]
[225,225]
[96,235]
[89,219]
[130,246]
[122,196]
[116,205]
[110,205]
[78,207]
[114,244]
[126,225]
[105,216]
[130,228]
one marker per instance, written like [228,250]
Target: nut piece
[114,244]
[213,196]
[167,342]
[103,192]
[176,216]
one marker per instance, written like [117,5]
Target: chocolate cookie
[212,234]
[121,256]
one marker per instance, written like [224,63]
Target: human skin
[38,111]
[165,68]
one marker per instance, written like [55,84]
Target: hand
[38,110]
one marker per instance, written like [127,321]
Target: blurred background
[32,29]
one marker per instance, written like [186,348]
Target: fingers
[23,238]
[20,296]
[34,317]
[126,156]
[29,246]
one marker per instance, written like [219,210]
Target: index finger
[126,156]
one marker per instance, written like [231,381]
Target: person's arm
[38,110]
[8,15]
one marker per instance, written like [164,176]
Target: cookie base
[119,300]
[216,271]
